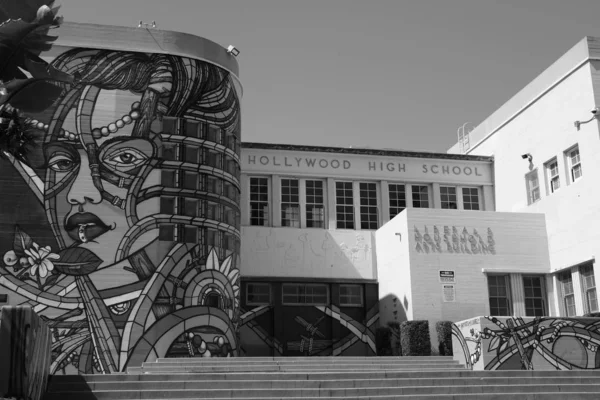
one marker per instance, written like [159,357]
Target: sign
[364,165]
[447,277]
[449,293]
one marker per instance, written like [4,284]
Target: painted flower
[40,259]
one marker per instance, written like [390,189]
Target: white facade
[540,121]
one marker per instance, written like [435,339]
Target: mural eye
[61,163]
[125,158]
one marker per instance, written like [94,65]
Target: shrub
[395,338]
[444,334]
[383,344]
[414,338]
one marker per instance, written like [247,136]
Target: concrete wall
[308,253]
[506,243]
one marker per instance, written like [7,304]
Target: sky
[399,74]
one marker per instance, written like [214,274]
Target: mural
[124,234]
[543,343]
[454,241]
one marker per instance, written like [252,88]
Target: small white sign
[449,293]
[447,277]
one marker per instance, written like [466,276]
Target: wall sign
[447,277]
[449,293]
[451,239]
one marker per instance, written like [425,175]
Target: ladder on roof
[463,137]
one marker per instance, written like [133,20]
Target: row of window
[572,160]
[197,155]
[294,294]
[200,130]
[197,235]
[199,208]
[356,203]
[588,288]
[500,297]
[195,181]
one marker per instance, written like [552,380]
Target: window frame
[259,303]
[365,210]
[290,206]
[564,295]
[360,295]
[345,212]
[470,196]
[508,296]
[530,189]
[305,285]
[305,204]
[397,200]
[571,166]
[543,297]
[552,174]
[3,298]
[586,290]
[412,195]
[267,216]
[447,204]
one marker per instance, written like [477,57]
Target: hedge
[383,336]
[444,334]
[414,338]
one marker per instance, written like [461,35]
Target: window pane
[190,207]
[192,129]
[166,233]
[368,205]
[420,196]
[315,209]
[258,293]
[448,197]
[167,178]
[169,152]
[169,125]
[190,234]
[290,203]
[190,180]
[535,297]
[397,194]
[344,205]
[191,154]
[470,198]
[259,201]
[167,205]
[498,295]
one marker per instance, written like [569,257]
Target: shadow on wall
[308,253]
[59,384]
[393,309]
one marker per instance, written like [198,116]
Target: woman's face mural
[108,280]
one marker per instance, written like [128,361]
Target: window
[169,125]
[553,176]
[420,196]
[368,205]
[498,287]
[192,154]
[315,204]
[290,203]
[301,294]
[169,152]
[568,294]
[3,298]
[533,187]
[470,198]
[190,207]
[259,201]
[214,133]
[344,205]
[167,205]
[351,295]
[190,234]
[258,294]
[574,161]
[397,194]
[588,285]
[535,296]
[448,197]
[190,180]
[192,129]
[167,178]
[166,233]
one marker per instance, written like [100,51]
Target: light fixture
[527,157]
[233,51]
[595,114]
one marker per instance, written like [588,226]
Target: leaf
[31,95]
[494,343]
[77,261]
[21,242]
[51,280]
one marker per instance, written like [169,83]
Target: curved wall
[123,229]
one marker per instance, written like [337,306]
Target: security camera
[595,111]
[524,156]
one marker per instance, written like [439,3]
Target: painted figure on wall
[140,266]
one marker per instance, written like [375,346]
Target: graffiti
[307,344]
[538,343]
[137,174]
[454,242]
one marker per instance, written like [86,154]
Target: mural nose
[83,189]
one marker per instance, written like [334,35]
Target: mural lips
[85,227]
[77,261]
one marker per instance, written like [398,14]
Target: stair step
[318,392]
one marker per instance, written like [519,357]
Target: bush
[414,338]
[395,338]
[383,344]
[444,334]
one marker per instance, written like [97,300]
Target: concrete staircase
[381,378]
